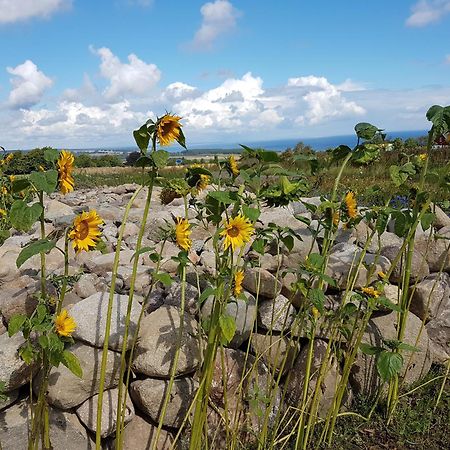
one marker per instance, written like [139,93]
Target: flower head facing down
[350,204]
[168,129]
[237,232]
[65,167]
[234,169]
[182,233]
[371,292]
[85,232]
[64,324]
[238,279]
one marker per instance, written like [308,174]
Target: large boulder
[439,333]
[17,297]
[159,336]
[191,295]
[277,314]
[90,316]
[262,282]
[65,390]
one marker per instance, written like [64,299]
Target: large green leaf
[160,158]
[51,154]
[397,176]
[440,117]
[389,364]
[15,324]
[224,197]
[22,216]
[142,137]
[72,363]
[228,327]
[40,246]
[366,130]
[44,181]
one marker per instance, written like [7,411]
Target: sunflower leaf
[22,216]
[72,363]
[40,246]
[44,181]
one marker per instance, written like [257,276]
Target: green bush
[27,162]
[86,160]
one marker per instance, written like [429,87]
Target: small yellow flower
[423,157]
[85,232]
[238,279]
[41,168]
[381,274]
[12,178]
[64,324]
[9,157]
[336,218]
[168,129]
[203,182]
[182,233]
[237,232]
[233,165]
[315,312]
[65,167]
[372,292]
[4,190]
[2,212]
[350,203]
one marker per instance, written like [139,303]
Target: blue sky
[80,73]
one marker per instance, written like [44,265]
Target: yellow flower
[233,166]
[9,157]
[381,274]
[315,312]
[350,203]
[4,190]
[64,324]
[12,178]
[41,168]
[182,233]
[237,232]
[336,218]
[203,182]
[2,212]
[65,166]
[423,157]
[85,232]
[238,279]
[168,129]
[371,291]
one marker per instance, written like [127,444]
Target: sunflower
[350,203]
[65,166]
[85,232]
[203,182]
[238,279]
[233,165]
[370,291]
[12,178]
[336,218]
[182,233]
[422,157]
[64,324]
[168,129]
[2,212]
[237,232]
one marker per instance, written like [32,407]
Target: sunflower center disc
[83,230]
[233,231]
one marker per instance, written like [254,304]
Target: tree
[132,158]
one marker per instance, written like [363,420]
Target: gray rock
[14,372]
[436,252]
[87,412]
[242,311]
[277,314]
[86,285]
[16,297]
[268,285]
[302,248]
[66,432]
[441,220]
[90,316]
[65,390]
[157,343]
[55,210]
[439,333]
[149,395]
[8,268]
[173,297]
[104,263]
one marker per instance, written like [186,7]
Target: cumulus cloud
[15,11]
[425,12]
[218,18]
[323,99]
[135,78]
[29,85]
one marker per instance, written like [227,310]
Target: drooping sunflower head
[237,231]
[238,279]
[85,232]
[371,292]
[65,167]
[198,178]
[350,204]
[232,164]
[64,324]
[168,129]
[182,233]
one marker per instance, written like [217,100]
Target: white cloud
[17,10]
[135,78]
[218,18]
[425,12]
[29,85]
[323,100]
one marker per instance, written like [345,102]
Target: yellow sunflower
[372,292]
[336,218]
[85,232]
[203,182]
[233,165]
[182,233]
[2,212]
[64,324]
[238,279]
[12,178]
[168,129]
[237,232]
[65,166]
[423,157]
[350,203]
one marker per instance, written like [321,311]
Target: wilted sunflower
[182,233]
[85,232]
[372,292]
[237,232]
[64,324]
[234,169]
[238,279]
[65,166]
[350,204]
[168,129]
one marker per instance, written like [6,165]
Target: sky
[85,74]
